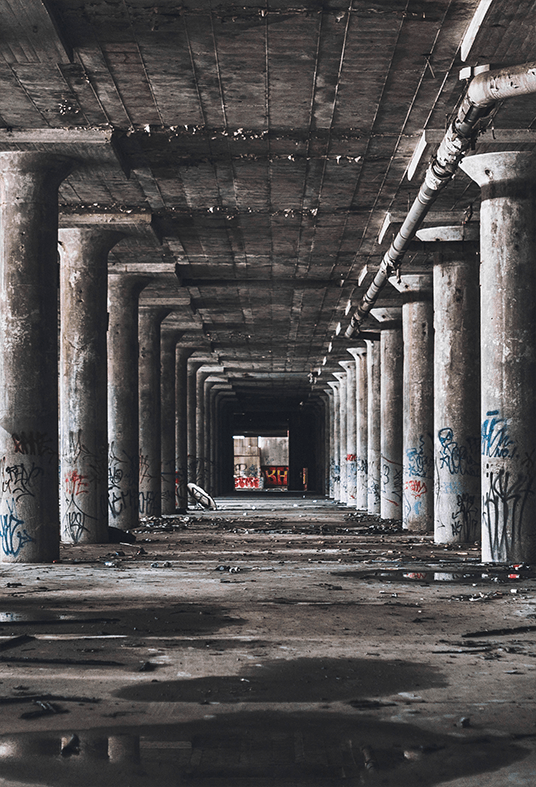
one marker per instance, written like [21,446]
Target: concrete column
[168,346]
[508,353]
[123,435]
[29,499]
[336,448]
[330,440]
[193,367]
[391,370]
[418,400]
[150,458]
[374,425]
[361,392]
[181,427]
[83,404]
[456,382]
[201,425]
[343,488]
[350,454]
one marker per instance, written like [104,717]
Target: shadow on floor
[298,680]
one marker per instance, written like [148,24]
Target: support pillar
[374,425]
[456,382]
[418,401]
[150,458]
[330,441]
[361,392]
[391,365]
[508,353]
[192,420]
[343,486]
[350,454]
[168,346]
[181,427]
[123,420]
[336,447]
[83,403]
[29,499]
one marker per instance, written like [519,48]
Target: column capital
[341,376]
[346,365]
[390,316]
[490,169]
[413,283]
[357,352]
[458,233]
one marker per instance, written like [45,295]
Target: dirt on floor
[280,640]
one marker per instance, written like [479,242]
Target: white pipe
[483,92]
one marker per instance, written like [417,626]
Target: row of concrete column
[105,407]
[439,421]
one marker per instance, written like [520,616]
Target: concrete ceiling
[269,141]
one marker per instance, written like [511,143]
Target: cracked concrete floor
[277,641]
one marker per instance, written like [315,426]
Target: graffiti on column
[374,490]
[495,439]
[506,490]
[36,443]
[78,486]
[503,505]
[169,478]
[419,467]
[181,490]
[121,484]
[455,458]
[16,482]
[75,519]
[465,517]
[391,482]
[147,498]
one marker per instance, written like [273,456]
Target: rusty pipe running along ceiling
[267,140]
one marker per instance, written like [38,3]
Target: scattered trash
[230,569]
[165,564]
[465,721]
[201,497]
[147,666]
[370,760]
[71,747]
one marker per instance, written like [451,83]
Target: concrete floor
[277,641]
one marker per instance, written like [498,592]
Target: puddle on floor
[309,749]
[171,620]
[294,680]
[429,576]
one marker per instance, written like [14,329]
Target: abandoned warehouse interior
[268,313]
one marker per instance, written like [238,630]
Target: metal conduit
[481,95]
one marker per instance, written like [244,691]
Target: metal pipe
[481,95]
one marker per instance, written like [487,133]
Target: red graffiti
[351,457]
[242,482]
[417,488]
[76,484]
[275,476]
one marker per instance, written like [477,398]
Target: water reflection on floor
[317,749]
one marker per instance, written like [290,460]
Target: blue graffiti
[495,439]
[419,463]
[458,459]
[12,535]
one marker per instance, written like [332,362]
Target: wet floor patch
[427,575]
[157,621]
[268,748]
[296,680]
